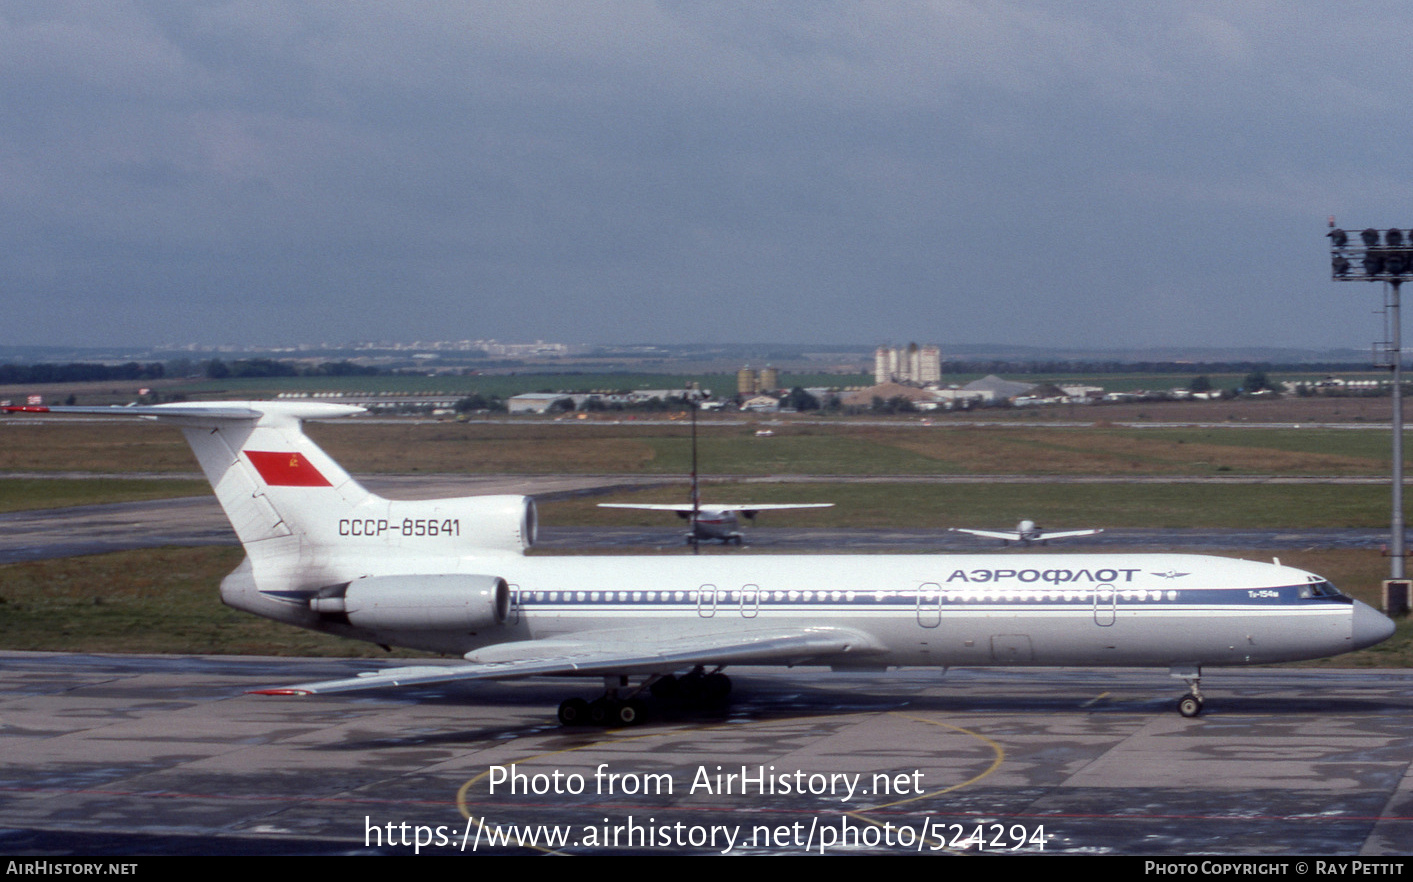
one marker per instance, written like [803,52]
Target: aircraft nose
[1369,626]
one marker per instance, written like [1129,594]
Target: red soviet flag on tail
[286,469]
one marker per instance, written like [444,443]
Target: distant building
[761,403]
[749,382]
[915,365]
[922,399]
[746,382]
[543,402]
[993,389]
[536,402]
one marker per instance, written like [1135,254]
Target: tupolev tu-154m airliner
[452,576]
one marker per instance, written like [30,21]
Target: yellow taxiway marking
[999,756]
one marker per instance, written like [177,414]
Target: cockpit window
[1319,589]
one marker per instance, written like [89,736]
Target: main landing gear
[604,711]
[734,539]
[1190,705]
[621,705]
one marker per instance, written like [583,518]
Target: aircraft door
[706,601]
[750,601]
[1106,605]
[514,617]
[929,605]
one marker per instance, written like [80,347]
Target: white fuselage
[947,610]
[716,523]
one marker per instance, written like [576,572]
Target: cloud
[963,172]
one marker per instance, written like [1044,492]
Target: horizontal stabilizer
[1069,534]
[205,411]
[988,534]
[687,507]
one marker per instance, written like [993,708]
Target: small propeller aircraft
[1025,533]
[708,522]
[719,522]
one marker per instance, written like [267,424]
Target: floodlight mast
[1383,256]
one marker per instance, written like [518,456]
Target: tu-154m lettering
[452,576]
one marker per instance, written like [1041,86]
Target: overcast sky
[1091,174]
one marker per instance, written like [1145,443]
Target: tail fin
[270,478]
[304,522]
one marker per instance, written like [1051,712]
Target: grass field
[899,450]
[903,447]
[25,494]
[162,600]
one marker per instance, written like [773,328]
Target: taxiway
[197,520]
[161,755]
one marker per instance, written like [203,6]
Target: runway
[96,529]
[163,755]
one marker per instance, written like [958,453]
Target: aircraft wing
[989,534]
[1068,534]
[167,410]
[776,507]
[1013,536]
[715,506]
[646,507]
[626,651]
[196,412]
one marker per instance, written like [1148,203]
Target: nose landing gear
[1190,705]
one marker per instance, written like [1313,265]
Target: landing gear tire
[666,688]
[630,713]
[1189,705]
[621,705]
[602,711]
[716,687]
[573,712]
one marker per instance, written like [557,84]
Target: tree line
[79,372]
[959,366]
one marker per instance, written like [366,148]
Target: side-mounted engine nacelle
[506,523]
[444,602]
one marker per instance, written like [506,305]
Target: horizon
[662,355]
